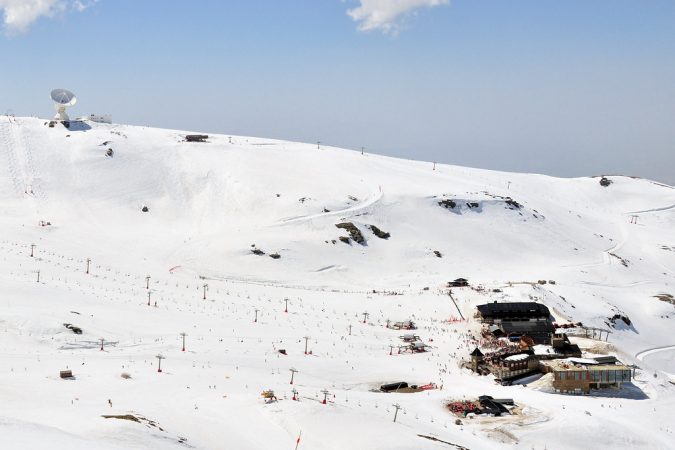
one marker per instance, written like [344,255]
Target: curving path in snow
[664,208]
[665,363]
[370,201]
[641,355]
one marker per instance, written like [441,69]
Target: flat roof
[559,364]
[510,308]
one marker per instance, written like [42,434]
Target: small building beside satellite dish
[99,118]
[62,99]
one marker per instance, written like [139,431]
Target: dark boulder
[73,328]
[447,203]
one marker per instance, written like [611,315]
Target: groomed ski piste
[209,205]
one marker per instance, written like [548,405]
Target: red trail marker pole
[297,443]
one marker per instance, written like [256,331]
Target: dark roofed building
[459,282]
[196,138]
[539,330]
[562,346]
[476,359]
[512,311]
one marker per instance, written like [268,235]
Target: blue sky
[567,88]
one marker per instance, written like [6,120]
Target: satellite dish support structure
[62,99]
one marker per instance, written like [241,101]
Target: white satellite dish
[63,99]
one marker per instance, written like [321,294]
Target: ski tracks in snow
[367,203]
[8,153]
[16,151]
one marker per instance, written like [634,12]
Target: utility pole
[286,310]
[159,362]
[508,185]
[306,338]
[391,349]
[397,406]
[256,315]
[293,372]
[32,249]
[147,282]
[88,261]
[365,316]
[38,276]
[434,166]
[183,334]
[206,287]
[350,329]
[325,396]
[102,340]
[149,292]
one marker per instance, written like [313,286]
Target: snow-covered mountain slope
[609,249]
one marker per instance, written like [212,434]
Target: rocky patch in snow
[481,201]
[447,203]
[379,233]
[668,298]
[354,233]
[143,421]
[73,328]
[259,252]
[624,261]
[612,321]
